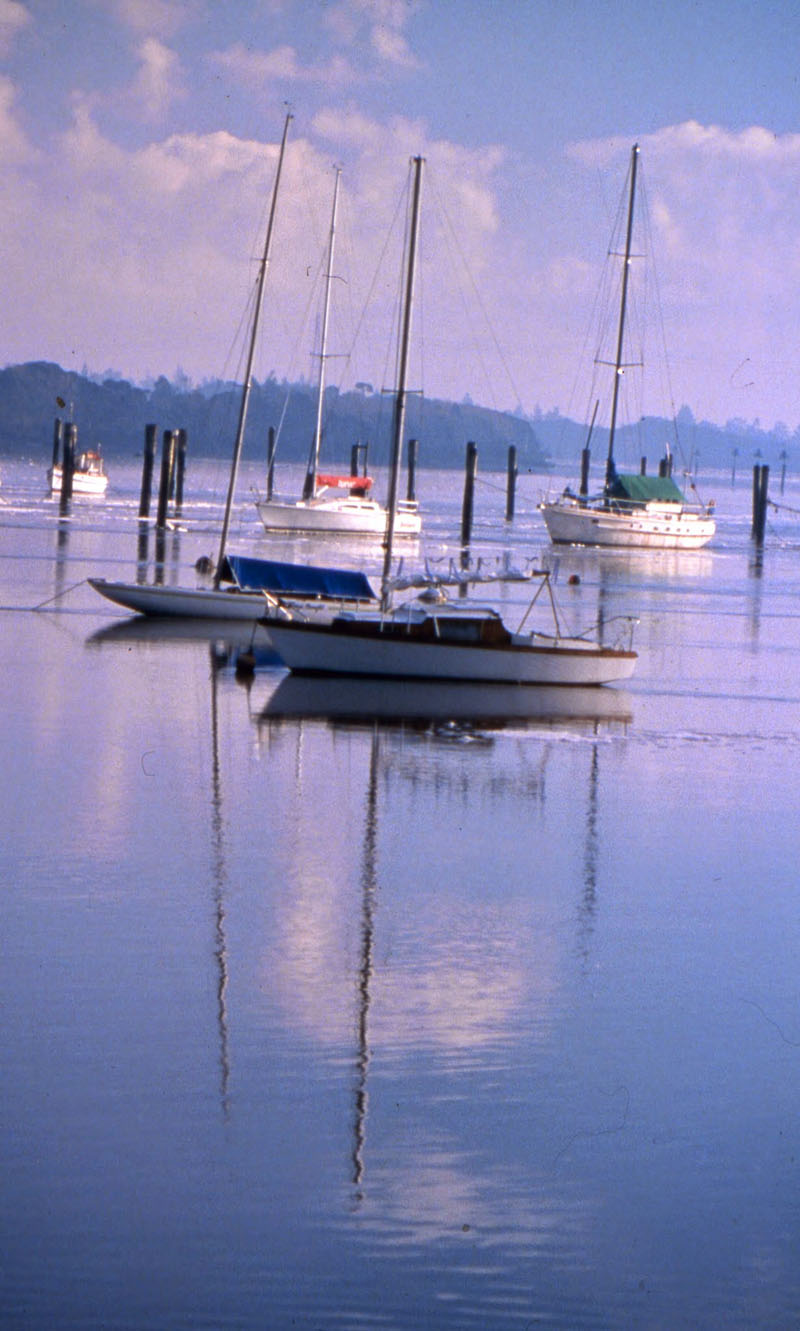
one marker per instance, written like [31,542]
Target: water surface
[324,1011]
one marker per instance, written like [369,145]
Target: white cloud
[163,17]
[391,45]
[377,25]
[258,69]
[159,82]
[13,18]
[370,31]
[156,244]
[14,146]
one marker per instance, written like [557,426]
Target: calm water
[325,1011]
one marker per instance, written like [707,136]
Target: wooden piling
[762,515]
[68,461]
[167,463]
[58,438]
[762,508]
[586,457]
[760,500]
[180,467]
[150,444]
[411,485]
[511,482]
[470,473]
[142,543]
[358,459]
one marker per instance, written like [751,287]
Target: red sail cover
[348,482]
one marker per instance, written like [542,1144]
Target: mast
[248,378]
[313,461]
[623,301]
[400,400]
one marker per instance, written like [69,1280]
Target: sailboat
[243,586]
[631,510]
[333,503]
[432,639]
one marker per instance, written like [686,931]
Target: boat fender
[573,580]
[204,564]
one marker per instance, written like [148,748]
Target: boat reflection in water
[422,704]
[455,982]
[230,638]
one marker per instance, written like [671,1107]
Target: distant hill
[114,413]
[693,443]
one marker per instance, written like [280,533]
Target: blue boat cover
[252,575]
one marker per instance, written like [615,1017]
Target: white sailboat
[331,503]
[247,588]
[422,639]
[638,511]
[243,587]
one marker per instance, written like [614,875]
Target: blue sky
[139,141]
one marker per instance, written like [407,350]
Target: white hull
[352,516]
[653,527]
[187,602]
[324,649]
[83,483]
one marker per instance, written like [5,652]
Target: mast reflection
[369,889]
[588,904]
[219,876]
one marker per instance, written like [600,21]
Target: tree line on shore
[112,413]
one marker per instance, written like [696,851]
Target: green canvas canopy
[641,489]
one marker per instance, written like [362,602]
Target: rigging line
[294,355]
[347,249]
[418,296]
[312,205]
[378,267]
[51,599]
[392,344]
[662,331]
[602,318]
[399,300]
[476,292]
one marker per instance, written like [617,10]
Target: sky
[139,143]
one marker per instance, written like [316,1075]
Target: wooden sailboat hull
[363,649]
[352,516]
[569,523]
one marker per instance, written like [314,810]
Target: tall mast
[248,378]
[400,400]
[621,332]
[313,461]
